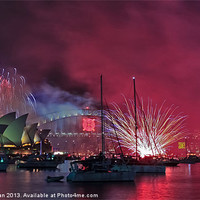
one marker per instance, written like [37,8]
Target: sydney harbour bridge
[76,132]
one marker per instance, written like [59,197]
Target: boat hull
[100,176]
[147,168]
[37,165]
[171,164]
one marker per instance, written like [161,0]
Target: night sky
[67,45]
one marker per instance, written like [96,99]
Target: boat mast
[102,118]
[136,127]
[40,146]
[186,150]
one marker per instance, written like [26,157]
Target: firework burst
[14,95]
[157,128]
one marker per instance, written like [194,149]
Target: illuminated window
[88,124]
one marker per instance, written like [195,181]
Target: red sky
[69,44]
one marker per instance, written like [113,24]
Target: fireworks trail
[157,127]
[14,95]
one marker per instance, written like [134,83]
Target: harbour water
[182,182]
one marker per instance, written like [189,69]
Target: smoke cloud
[52,100]
[69,44]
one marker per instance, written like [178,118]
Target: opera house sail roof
[13,131]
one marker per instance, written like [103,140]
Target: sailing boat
[142,166]
[99,168]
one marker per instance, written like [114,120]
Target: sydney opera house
[75,134]
[17,137]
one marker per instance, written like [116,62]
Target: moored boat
[102,171]
[36,161]
[54,178]
[191,159]
[146,165]
[170,162]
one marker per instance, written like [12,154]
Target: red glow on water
[88,124]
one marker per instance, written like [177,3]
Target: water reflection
[151,183]
[14,168]
[178,183]
[189,169]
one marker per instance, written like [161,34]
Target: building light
[88,124]
[9,145]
